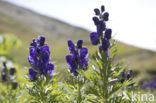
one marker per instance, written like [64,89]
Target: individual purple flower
[71,46]
[79,44]
[94,38]
[102,8]
[105,44]
[32,74]
[83,58]
[105,16]
[78,59]
[96,20]
[39,58]
[108,33]
[41,40]
[122,80]
[12,71]
[102,25]
[97,11]
[50,68]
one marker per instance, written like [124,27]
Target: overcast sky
[132,21]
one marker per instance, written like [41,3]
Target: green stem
[79,91]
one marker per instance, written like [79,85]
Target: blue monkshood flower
[39,58]
[32,74]
[128,76]
[102,25]
[122,80]
[12,71]
[152,83]
[102,8]
[71,46]
[105,16]
[102,34]
[99,31]
[108,33]
[79,44]
[41,40]
[83,58]
[96,20]
[97,11]
[94,38]
[71,63]
[77,59]
[105,44]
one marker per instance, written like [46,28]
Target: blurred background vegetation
[26,24]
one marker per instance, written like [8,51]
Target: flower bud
[105,44]
[97,11]
[108,33]
[122,80]
[105,16]
[12,71]
[96,20]
[71,46]
[79,44]
[94,38]
[102,8]
[41,40]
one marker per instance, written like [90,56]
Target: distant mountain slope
[27,24]
[39,23]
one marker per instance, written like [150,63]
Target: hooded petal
[83,52]
[51,68]
[105,44]
[41,40]
[79,44]
[108,33]
[71,46]
[94,38]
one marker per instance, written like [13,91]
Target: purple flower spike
[78,58]
[39,58]
[79,44]
[94,38]
[108,33]
[32,74]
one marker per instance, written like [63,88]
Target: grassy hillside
[26,24]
